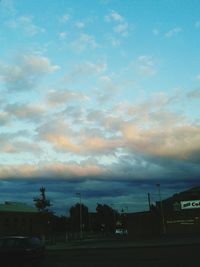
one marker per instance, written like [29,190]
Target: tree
[106,217]
[42,203]
[75,217]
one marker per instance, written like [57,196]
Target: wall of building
[22,223]
[143,225]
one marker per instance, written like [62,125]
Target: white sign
[190,204]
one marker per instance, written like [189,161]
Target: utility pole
[81,224]
[161,210]
[149,201]
[114,217]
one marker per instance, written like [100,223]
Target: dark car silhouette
[21,251]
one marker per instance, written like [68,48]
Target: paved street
[174,256]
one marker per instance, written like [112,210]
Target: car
[21,250]
[121,231]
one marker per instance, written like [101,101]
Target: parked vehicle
[121,231]
[21,250]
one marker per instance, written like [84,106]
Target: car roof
[14,237]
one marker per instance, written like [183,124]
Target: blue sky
[99,97]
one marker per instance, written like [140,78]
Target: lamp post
[161,209]
[80,203]
[114,216]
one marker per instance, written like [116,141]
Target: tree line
[104,219]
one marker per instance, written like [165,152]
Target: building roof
[17,207]
[190,194]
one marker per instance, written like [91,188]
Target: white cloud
[8,7]
[59,97]
[80,24]
[85,70]
[4,118]
[64,18]
[121,28]
[113,16]
[115,42]
[146,66]
[85,41]
[39,64]
[24,74]
[182,142]
[90,68]
[62,35]
[98,145]
[22,147]
[105,78]
[62,143]
[173,32]
[26,24]
[25,111]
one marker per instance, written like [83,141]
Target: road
[174,256]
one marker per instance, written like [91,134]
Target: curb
[118,246]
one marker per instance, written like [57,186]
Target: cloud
[62,143]
[74,113]
[121,26]
[99,145]
[115,42]
[107,92]
[194,93]
[64,18]
[151,129]
[146,66]
[18,142]
[173,32]
[55,126]
[21,147]
[155,102]
[80,24]
[198,77]
[129,195]
[49,170]
[181,142]
[26,24]
[89,68]
[39,64]
[4,118]
[62,35]
[114,16]
[105,78]
[27,70]
[60,97]
[29,112]
[84,42]
[8,8]
[85,141]
[59,134]
[85,70]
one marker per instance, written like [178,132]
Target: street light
[81,230]
[161,209]
[114,216]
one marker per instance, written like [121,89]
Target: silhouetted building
[142,224]
[182,212]
[21,219]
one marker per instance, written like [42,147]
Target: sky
[101,98]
